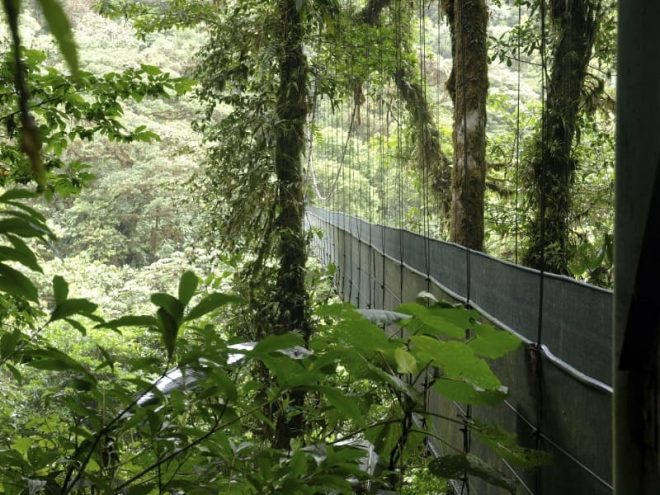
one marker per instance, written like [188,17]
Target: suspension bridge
[361,171]
[560,390]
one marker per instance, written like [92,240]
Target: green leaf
[151,70]
[54,360]
[143,489]
[406,362]
[273,343]
[15,283]
[130,321]
[169,303]
[14,194]
[61,29]
[211,303]
[467,393]
[72,307]
[8,343]
[348,406]
[108,360]
[77,325]
[456,360]
[378,374]
[384,437]
[169,328]
[14,372]
[505,445]
[187,287]
[436,320]
[21,227]
[458,465]
[492,343]
[60,289]
[25,258]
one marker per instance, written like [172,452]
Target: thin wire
[381,145]
[539,334]
[465,147]
[517,172]
[468,415]
[399,152]
[438,211]
[425,164]
[370,192]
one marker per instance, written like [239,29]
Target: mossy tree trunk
[291,114]
[553,166]
[468,87]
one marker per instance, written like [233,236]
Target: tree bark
[291,114]
[468,23]
[553,166]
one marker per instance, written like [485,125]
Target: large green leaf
[273,343]
[130,321]
[456,466]
[61,28]
[21,227]
[25,258]
[456,360]
[15,283]
[32,214]
[405,362]
[346,405]
[378,374]
[385,436]
[170,304]
[436,320]
[55,360]
[60,289]
[211,303]
[14,194]
[493,343]
[505,445]
[8,342]
[467,393]
[187,287]
[169,328]
[72,307]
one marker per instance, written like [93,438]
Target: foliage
[155,389]
[108,427]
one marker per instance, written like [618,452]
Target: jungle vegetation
[157,158]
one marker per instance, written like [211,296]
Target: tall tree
[553,166]
[468,87]
[289,144]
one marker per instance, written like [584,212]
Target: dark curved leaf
[72,307]
[168,303]
[61,29]
[15,283]
[60,289]
[187,287]
[211,303]
[456,466]
[130,321]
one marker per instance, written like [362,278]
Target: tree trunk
[433,162]
[291,114]
[553,166]
[468,22]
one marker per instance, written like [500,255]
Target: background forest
[157,163]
